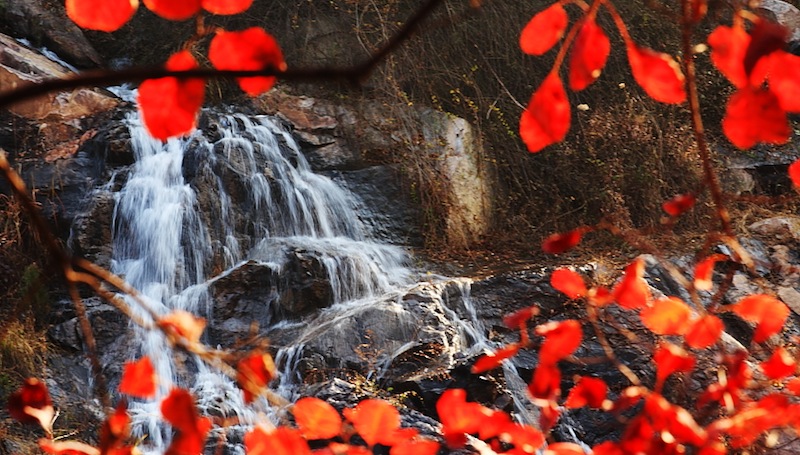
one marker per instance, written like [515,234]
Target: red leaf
[657,73]
[569,283]
[493,360]
[675,420]
[253,373]
[679,204]
[516,319]
[102,15]
[174,10]
[667,316]
[458,416]
[633,292]
[704,271]
[562,241]
[768,313]
[32,404]
[280,441]
[178,409]
[544,30]
[250,49]
[794,386]
[589,55]
[670,359]
[139,379]
[607,448]
[704,332]
[316,419]
[766,37]
[115,430]
[754,115]
[600,296]
[184,324]
[549,415]
[415,447]
[561,339]
[546,382]
[779,365]
[794,173]
[169,106]
[547,118]
[587,392]
[784,79]
[525,438]
[226,7]
[728,48]
[67,447]
[374,420]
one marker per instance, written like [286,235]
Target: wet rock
[376,189]
[92,231]
[46,23]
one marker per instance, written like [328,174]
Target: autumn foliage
[739,403]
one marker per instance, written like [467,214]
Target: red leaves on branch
[704,332]
[190,429]
[563,241]
[562,338]
[657,73]
[316,418]
[767,312]
[459,416]
[493,360]
[102,15]
[253,373]
[589,55]
[667,316]
[587,392]
[415,447]
[569,283]
[376,421]
[169,106]
[757,112]
[139,379]
[250,49]
[633,292]
[547,118]
[280,441]
[32,404]
[679,204]
[544,30]
[754,115]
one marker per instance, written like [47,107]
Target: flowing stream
[165,246]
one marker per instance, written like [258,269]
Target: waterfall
[163,243]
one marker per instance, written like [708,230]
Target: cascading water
[162,243]
[265,206]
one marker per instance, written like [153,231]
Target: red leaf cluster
[250,49]
[110,15]
[757,112]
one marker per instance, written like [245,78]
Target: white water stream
[162,246]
